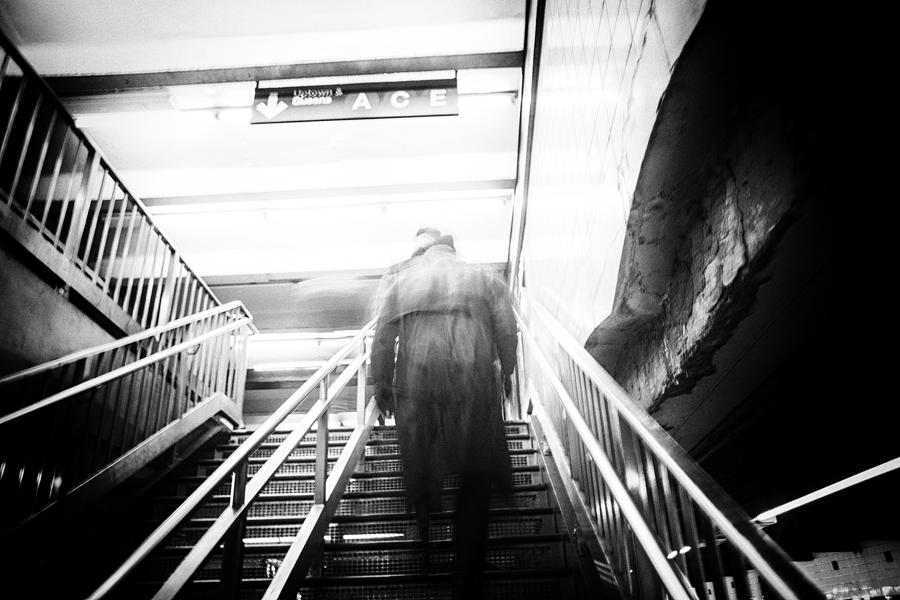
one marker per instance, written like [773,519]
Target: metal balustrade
[665,527]
[71,426]
[62,200]
[227,531]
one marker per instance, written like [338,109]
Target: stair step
[512,428]
[366,505]
[372,531]
[408,558]
[384,558]
[308,449]
[535,584]
[389,463]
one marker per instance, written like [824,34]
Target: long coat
[453,322]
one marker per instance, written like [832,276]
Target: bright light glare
[354,79]
[372,536]
[331,202]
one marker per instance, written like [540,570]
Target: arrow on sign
[272,108]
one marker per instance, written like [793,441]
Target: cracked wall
[741,205]
[603,69]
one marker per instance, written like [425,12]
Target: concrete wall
[603,68]
[39,322]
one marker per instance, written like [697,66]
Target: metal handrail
[146,334]
[244,492]
[123,371]
[641,457]
[132,264]
[626,504]
[98,405]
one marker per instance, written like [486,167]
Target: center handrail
[232,465]
[629,448]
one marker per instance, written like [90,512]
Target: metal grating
[371,506]
[383,466]
[282,486]
[282,508]
[411,561]
[277,438]
[522,589]
[442,530]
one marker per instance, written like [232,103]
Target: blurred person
[453,322]
[423,240]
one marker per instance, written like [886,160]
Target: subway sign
[355,101]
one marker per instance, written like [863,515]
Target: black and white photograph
[460,300]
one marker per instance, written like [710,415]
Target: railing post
[362,377]
[168,290]
[321,474]
[233,550]
[82,205]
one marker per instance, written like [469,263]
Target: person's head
[445,240]
[425,237]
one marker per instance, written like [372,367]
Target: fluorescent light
[354,79]
[287,366]
[373,536]
[304,335]
[269,540]
[330,202]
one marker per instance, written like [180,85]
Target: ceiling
[166,90]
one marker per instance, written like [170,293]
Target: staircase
[371,549]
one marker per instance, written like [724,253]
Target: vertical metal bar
[203,355]
[321,473]
[221,357]
[170,288]
[696,573]
[158,397]
[107,407]
[107,223]
[129,419]
[82,205]
[185,290]
[114,246]
[139,245]
[117,429]
[68,199]
[738,568]
[671,504]
[3,67]
[159,282]
[193,294]
[362,378]
[587,392]
[51,189]
[233,550]
[140,289]
[578,462]
[142,415]
[713,560]
[12,119]
[242,371]
[150,288]
[126,251]
[26,142]
[657,516]
[92,228]
[183,387]
[45,145]
[177,290]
